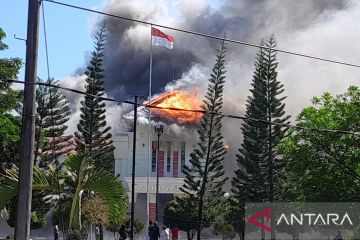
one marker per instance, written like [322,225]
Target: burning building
[176,143]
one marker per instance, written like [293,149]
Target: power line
[320,130]
[51,102]
[45,39]
[206,35]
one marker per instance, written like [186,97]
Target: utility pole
[133,171]
[22,228]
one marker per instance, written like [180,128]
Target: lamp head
[159,129]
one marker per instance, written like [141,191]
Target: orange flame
[178,99]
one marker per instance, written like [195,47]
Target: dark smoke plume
[127,64]
[127,58]
[128,45]
[318,27]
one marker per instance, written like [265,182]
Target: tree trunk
[37,142]
[202,190]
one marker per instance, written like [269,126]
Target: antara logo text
[309,219]
[312,219]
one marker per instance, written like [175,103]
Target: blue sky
[68,33]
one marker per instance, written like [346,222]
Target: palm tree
[78,174]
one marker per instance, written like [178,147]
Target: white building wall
[168,184]
[124,151]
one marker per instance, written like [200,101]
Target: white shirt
[165,234]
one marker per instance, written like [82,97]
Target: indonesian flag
[159,38]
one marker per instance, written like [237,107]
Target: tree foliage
[95,209]
[78,174]
[93,133]
[257,160]
[182,211]
[10,100]
[9,140]
[204,177]
[323,166]
[52,113]
[255,169]
[225,230]
[9,69]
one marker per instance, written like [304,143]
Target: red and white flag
[159,38]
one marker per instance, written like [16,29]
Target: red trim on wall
[175,164]
[152,211]
[161,164]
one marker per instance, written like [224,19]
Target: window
[153,157]
[182,155]
[168,157]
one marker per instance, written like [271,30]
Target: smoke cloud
[326,28]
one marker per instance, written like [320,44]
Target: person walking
[155,231]
[165,233]
[175,232]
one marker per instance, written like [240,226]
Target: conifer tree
[204,177]
[249,183]
[93,133]
[254,178]
[52,113]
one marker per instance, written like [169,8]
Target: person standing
[97,232]
[150,229]
[122,232]
[56,232]
[165,233]
[175,232]
[155,232]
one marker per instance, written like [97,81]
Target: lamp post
[133,172]
[159,129]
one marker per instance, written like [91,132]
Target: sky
[69,34]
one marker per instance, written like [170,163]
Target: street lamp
[159,129]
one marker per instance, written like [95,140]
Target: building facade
[173,155]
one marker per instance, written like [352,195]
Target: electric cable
[205,35]
[52,127]
[320,130]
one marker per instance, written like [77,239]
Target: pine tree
[205,174]
[249,184]
[254,178]
[275,113]
[93,133]
[52,113]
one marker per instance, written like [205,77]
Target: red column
[175,164]
[161,164]
[152,211]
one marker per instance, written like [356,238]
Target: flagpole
[149,142]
